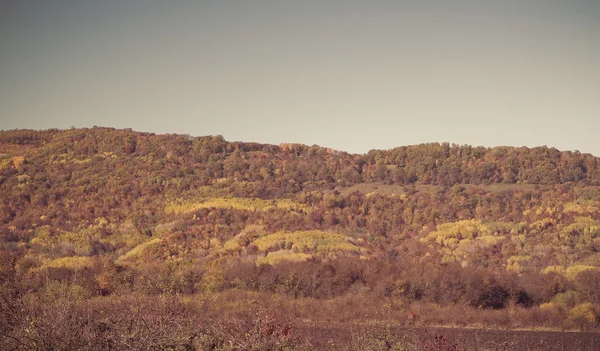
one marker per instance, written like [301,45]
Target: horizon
[349,76]
[298,143]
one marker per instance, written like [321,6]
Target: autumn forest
[116,239]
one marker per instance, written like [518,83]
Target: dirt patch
[432,338]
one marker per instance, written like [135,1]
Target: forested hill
[79,175]
[104,172]
[206,159]
[120,212]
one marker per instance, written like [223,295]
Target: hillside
[509,236]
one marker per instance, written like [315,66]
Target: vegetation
[135,240]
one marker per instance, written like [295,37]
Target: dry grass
[247,204]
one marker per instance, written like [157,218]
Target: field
[237,320]
[446,339]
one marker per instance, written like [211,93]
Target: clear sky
[351,75]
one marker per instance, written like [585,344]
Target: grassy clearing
[276,257]
[138,250]
[248,204]
[307,241]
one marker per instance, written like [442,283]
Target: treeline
[212,158]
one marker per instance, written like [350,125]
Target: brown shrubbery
[281,307]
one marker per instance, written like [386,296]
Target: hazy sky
[351,75]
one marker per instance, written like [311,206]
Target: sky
[350,75]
